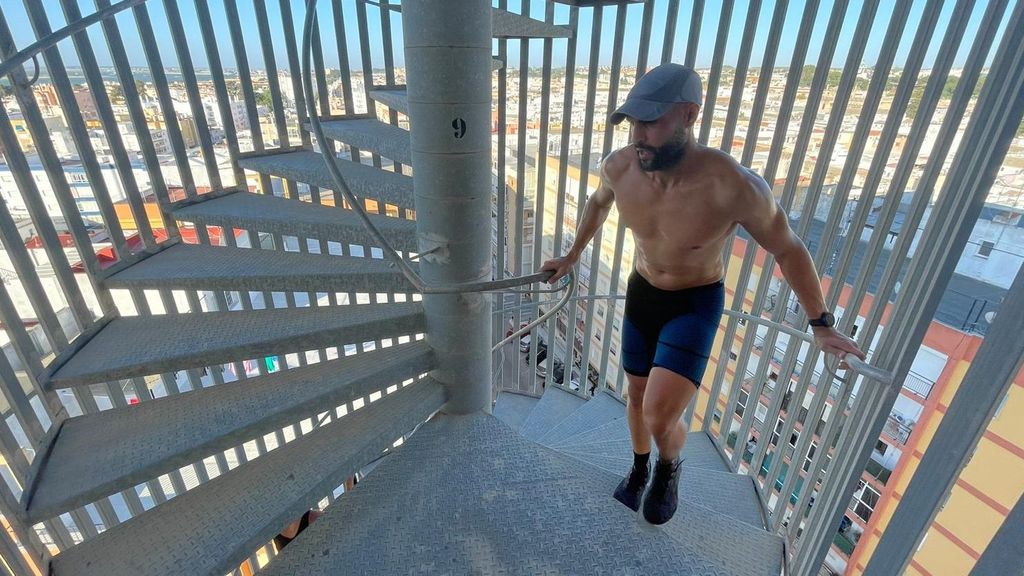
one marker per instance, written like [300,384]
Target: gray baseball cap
[657,90]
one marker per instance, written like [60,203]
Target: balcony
[256,265]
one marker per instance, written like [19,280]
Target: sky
[18,21]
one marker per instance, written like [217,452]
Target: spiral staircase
[526,490]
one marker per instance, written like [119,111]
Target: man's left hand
[833,342]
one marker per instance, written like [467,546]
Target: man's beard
[665,156]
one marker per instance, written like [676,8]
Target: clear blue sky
[21,27]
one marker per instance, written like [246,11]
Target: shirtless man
[682,201]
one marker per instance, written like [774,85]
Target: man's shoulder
[730,170]
[617,163]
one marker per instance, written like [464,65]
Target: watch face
[828,319]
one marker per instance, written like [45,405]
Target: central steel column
[448,71]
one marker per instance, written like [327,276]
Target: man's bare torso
[679,224]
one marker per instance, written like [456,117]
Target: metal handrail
[34,49]
[857,365]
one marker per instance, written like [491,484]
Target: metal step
[554,405]
[597,411]
[699,450]
[730,494]
[294,218]
[513,409]
[476,497]
[104,452]
[363,180]
[214,527]
[507,24]
[203,267]
[144,345]
[395,98]
[614,430]
[371,134]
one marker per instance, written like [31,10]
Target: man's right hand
[560,266]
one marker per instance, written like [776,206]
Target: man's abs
[678,271]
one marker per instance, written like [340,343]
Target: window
[802,415]
[865,503]
[881,447]
[741,403]
[985,249]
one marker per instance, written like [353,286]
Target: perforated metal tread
[699,450]
[396,99]
[513,409]
[726,493]
[372,134]
[553,407]
[143,345]
[612,431]
[294,218]
[104,452]
[309,167]
[467,495]
[597,411]
[507,24]
[212,528]
[203,267]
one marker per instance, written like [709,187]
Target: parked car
[524,344]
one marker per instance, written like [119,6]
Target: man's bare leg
[631,489]
[665,399]
[638,432]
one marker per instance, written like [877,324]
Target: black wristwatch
[826,319]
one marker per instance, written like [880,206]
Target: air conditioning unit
[898,417]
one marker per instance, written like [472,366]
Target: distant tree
[807,75]
[834,76]
[265,99]
[115,92]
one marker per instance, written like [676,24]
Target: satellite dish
[990,316]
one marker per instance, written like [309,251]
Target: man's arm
[594,214]
[767,223]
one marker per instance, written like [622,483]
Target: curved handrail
[32,50]
[856,365]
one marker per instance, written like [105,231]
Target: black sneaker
[663,496]
[632,487]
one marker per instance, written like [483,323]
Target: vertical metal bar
[103,105]
[908,157]
[367,64]
[541,204]
[807,125]
[832,130]
[609,318]
[245,80]
[668,42]
[936,159]
[764,80]
[270,64]
[192,91]
[73,115]
[389,65]
[156,68]
[115,46]
[295,70]
[563,168]
[739,79]
[693,39]
[998,113]
[501,188]
[521,152]
[792,83]
[581,194]
[320,67]
[341,38]
[220,87]
[711,90]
